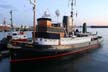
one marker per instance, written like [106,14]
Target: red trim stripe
[20,40]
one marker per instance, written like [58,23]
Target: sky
[93,12]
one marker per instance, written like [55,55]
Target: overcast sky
[93,12]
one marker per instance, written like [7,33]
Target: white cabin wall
[68,41]
[63,41]
[43,41]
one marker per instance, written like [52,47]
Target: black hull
[3,47]
[32,54]
[4,51]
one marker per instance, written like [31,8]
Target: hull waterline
[29,55]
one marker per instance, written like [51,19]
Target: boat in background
[15,37]
[19,36]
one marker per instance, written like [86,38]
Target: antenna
[46,14]
[34,17]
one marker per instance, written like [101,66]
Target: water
[4,65]
[95,61]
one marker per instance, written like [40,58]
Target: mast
[4,23]
[34,18]
[4,26]
[11,19]
[73,2]
[72,11]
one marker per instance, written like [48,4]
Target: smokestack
[84,27]
[67,23]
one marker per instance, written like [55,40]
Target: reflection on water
[95,61]
[89,62]
[4,65]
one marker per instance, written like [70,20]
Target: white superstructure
[18,35]
[63,41]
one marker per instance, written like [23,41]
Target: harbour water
[95,61]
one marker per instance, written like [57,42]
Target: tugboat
[50,42]
[17,36]
[14,37]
